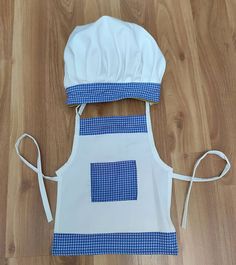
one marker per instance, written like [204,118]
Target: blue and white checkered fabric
[106,92]
[114,181]
[145,243]
[115,124]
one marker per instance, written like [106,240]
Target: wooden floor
[196,113]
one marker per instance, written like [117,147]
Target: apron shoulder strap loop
[38,170]
[194,179]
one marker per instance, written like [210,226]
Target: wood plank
[26,224]
[216,49]
[47,260]
[6,26]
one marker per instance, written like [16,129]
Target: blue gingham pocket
[114,181]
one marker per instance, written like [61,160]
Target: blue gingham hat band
[107,92]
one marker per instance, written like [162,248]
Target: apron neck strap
[79,109]
[38,170]
[147,107]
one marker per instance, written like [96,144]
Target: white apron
[114,192]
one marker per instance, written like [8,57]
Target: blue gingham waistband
[106,92]
[143,243]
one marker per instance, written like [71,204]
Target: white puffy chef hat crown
[109,60]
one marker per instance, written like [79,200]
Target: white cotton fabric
[76,213]
[112,51]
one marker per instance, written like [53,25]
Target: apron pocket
[114,181]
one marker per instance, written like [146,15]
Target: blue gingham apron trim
[114,124]
[106,92]
[143,243]
[114,181]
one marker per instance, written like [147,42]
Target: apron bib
[114,192]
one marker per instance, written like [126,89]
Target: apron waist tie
[195,179]
[38,170]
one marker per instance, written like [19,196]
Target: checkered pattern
[114,181]
[145,243]
[105,92]
[115,124]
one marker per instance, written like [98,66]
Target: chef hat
[110,60]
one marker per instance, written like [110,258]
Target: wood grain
[196,113]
